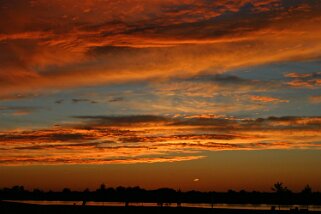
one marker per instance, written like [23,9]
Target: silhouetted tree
[66,191]
[279,188]
[102,187]
[121,194]
[37,194]
[164,196]
[306,193]
[18,189]
[307,190]
[86,196]
[179,198]
[281,192]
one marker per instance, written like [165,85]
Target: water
[198,205]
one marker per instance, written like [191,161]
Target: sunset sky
[190,94]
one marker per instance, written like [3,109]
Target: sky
[189,94]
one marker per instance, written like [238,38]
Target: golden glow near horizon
[143,139]
[87,83]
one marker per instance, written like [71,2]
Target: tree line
[280,195]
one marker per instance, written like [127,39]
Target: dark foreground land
[12,208]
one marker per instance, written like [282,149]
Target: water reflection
[198,205]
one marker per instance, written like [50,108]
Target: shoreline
[15,207]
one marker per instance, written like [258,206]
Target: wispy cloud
[81,100]
[151,40]
[148,138]
[18,110]
[265,99]
[304,80]
[211,85]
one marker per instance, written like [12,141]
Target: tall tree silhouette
[281,192]
[279,188]
[307,194]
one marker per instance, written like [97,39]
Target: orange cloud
[97,42]
[148,139]
[24,36]
[266,99]
[298,75]
[306,80]
[16,161]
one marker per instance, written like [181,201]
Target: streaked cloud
[211,85]
[87,43]
[305,80]
[266,99]
[81,100]
[149,139]
[18,110]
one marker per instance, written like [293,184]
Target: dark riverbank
[12,208]
[281,195]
